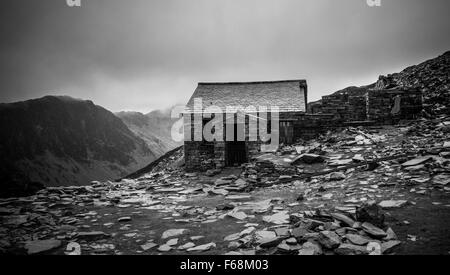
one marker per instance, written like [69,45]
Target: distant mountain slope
[64,141]
[432,77]
[155,128]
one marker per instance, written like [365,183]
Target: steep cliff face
[64,141]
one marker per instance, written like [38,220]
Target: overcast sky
[140,55]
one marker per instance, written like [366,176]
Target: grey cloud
[141,55]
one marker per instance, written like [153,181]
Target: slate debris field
[373,190]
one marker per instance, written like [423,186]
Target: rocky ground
[357,191]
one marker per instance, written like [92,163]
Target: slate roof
[288,95]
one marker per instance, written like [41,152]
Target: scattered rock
[343,218]
[269,242]
[172,242]
[41,246]
[187,246]
[370,212]
[388,247]
[350,249]
[309,159]
[173,233]
[202,248]
[124,219]
[336,176]
[73,249]
[357,239]
[164,248]
[373,230]
[148,246]
[278,218]
[392,203]
[311,248]
[417,161]
[329,239]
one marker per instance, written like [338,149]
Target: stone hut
[248,110]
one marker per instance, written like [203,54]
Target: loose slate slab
[373,230]
[222,192]
[172,242]
[282,232]
[238,197]
[417,161]
[340,162]
[390,234]
[238,215]
[173,233]
[329,239]
[124,219]
[263,234]
[202,248]
[392,203]
[387,247]
[343,218]
[309,159]
[307,252]
[311,247]
[269,242]
[299,232]
[350,249]
[187,246]
[40,246]
[278,218]
[232,237]
[148,246]
[357,239]
[164,248]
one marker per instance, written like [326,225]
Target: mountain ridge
[431,76]
[60,140]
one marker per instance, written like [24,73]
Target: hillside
[432,77]
[54,141]
[154,128]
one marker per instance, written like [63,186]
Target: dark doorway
[286,132]
[236,151]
